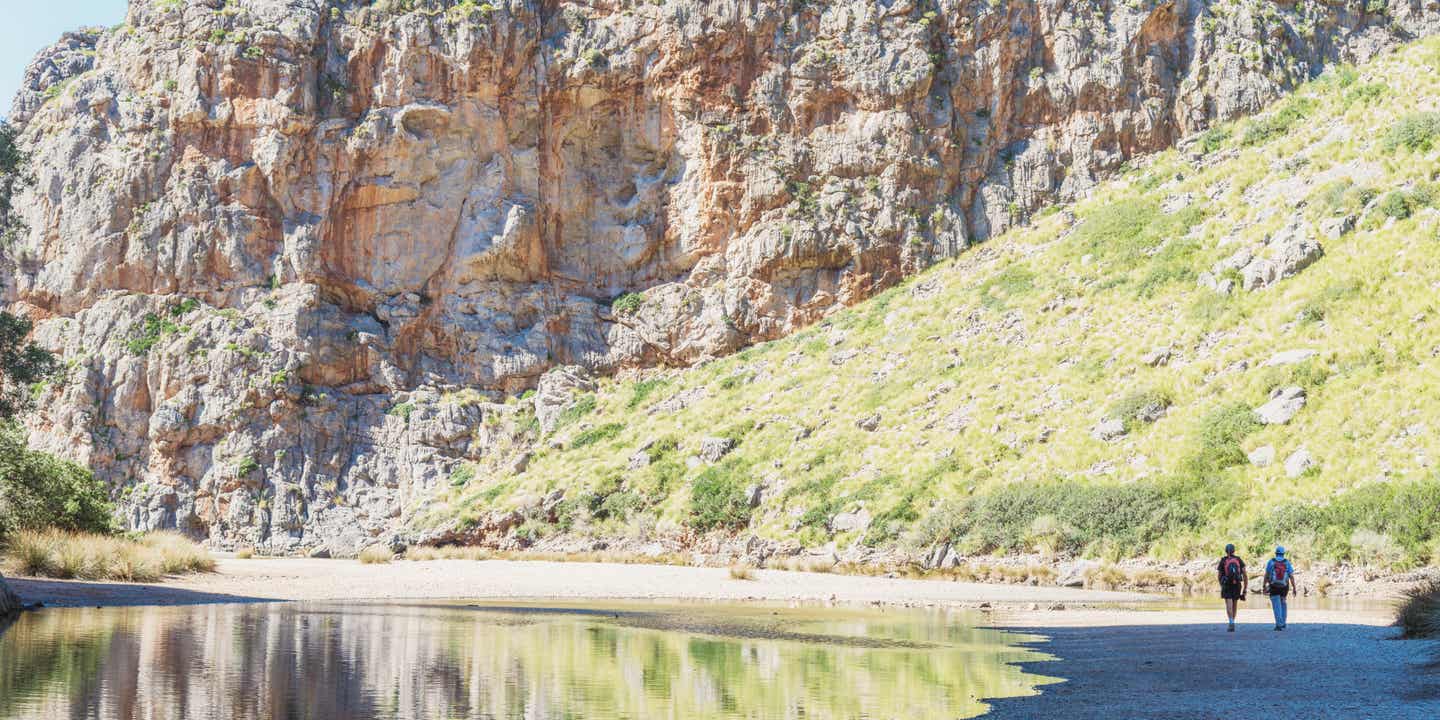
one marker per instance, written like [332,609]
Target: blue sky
[28,25]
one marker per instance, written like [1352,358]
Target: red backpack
[1279,578]
[1230,570]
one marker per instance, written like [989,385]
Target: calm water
[638,662]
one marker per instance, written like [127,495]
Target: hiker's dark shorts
[1230,591]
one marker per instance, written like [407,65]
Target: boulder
[1338,227]
[1108,430]
[1262,456]
[869,423]
[1284,404]
[1072,574]
[754,495]
[1157,357]
[520,463]
[846,522]
[9,602]
[319,553]
[713,448]
[640,460]
[1289,357]
[937,556]
[1298,462]
[557,391]
[1286,253]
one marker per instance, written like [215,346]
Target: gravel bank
[1183,664]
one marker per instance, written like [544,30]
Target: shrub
[608,431]
[245,466]
[742,572]
[1126,230]
[1264,129]
[628,303]
[580,408]
[1109,519]
[641,391]
[375,555]
[1402,512]
[1415,132]
[717,497]
[1419,612]
[1401,204]
[462,475]
[1214,139]
[1139,406]
[39,491]
[151,331]
[1009,283]
[1220,433]
[245,553]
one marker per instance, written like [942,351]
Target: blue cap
[1279,550]
[1229,548]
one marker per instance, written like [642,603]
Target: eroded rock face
[270,236]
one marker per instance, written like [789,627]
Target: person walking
[1280,582]
[1234,582]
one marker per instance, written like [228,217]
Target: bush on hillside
[1363,525]
[1139,406]
[40,491]
[1221,431]
[1069,516]
[1415,132]
[717,498]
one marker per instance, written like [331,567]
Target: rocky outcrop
[296,251]
[9,603]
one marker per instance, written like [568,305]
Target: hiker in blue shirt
[1279,582]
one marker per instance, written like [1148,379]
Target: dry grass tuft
[376,555]
[1419,611]
[742,572]
[85,556]
[245,553]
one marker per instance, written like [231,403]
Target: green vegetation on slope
[965,405]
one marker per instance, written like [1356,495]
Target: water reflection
[264,661]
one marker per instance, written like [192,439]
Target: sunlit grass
[57,554]
[992,368]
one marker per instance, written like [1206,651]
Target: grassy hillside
[964,404]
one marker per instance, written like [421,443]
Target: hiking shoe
[1278,628]
[1232,629]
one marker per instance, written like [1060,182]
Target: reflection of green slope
[267,661]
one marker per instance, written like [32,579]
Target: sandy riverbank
[296,579]
[1123,655]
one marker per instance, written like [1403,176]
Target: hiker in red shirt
[1234,583]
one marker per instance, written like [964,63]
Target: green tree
[12,176]
[39,491]
[22,364]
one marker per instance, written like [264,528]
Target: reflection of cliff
[281,661]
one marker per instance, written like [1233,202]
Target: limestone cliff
[261,231]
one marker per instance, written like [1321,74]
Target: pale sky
[28,25]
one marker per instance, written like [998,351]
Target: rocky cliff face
[296,251]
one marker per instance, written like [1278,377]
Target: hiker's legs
[1230,609]
[1277,605]
[1284,611]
